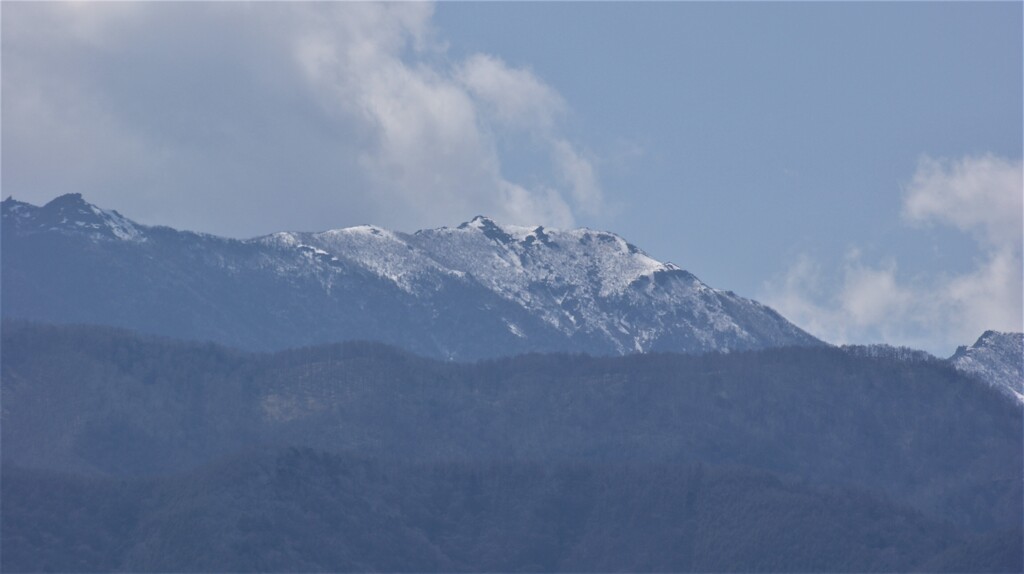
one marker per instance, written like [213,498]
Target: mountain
[996,359]
[99,401]
[124,452]
[300,510]
[478,290]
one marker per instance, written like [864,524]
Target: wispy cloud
[982,196]
[278,113]
[517,100]
[514,97]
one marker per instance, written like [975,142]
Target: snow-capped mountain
[481,289]
[69,214]
[996,359]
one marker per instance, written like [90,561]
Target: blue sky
[855,165]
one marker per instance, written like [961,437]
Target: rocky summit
[996,359]
[481,289]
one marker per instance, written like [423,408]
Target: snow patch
[122,227]
[514,329]
[997,359]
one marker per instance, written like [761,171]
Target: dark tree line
[121,451]
[305,510]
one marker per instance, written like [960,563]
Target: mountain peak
[68,199]
[11,204]
[478,290]
[365,229]
[490,228]
[72,206]
[998,359]
[72,214]
[992,337]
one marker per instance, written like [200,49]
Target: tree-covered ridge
[309,511]
[806,430]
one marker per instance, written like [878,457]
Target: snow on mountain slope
[562,276]
[71,214]
[997,359]
[576,290]
[588,285]
[596,285]
[510,258]
[382,252]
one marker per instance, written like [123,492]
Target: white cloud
[874,303]
[978,194]
[578,172]
[872,295]
[516,97]
[270,115]
[987,298]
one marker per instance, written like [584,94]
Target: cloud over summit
[278,115]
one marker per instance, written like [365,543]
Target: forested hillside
[302,510]
[795,444]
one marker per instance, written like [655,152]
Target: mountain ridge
[510,288]
[104,401]
[997,359]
